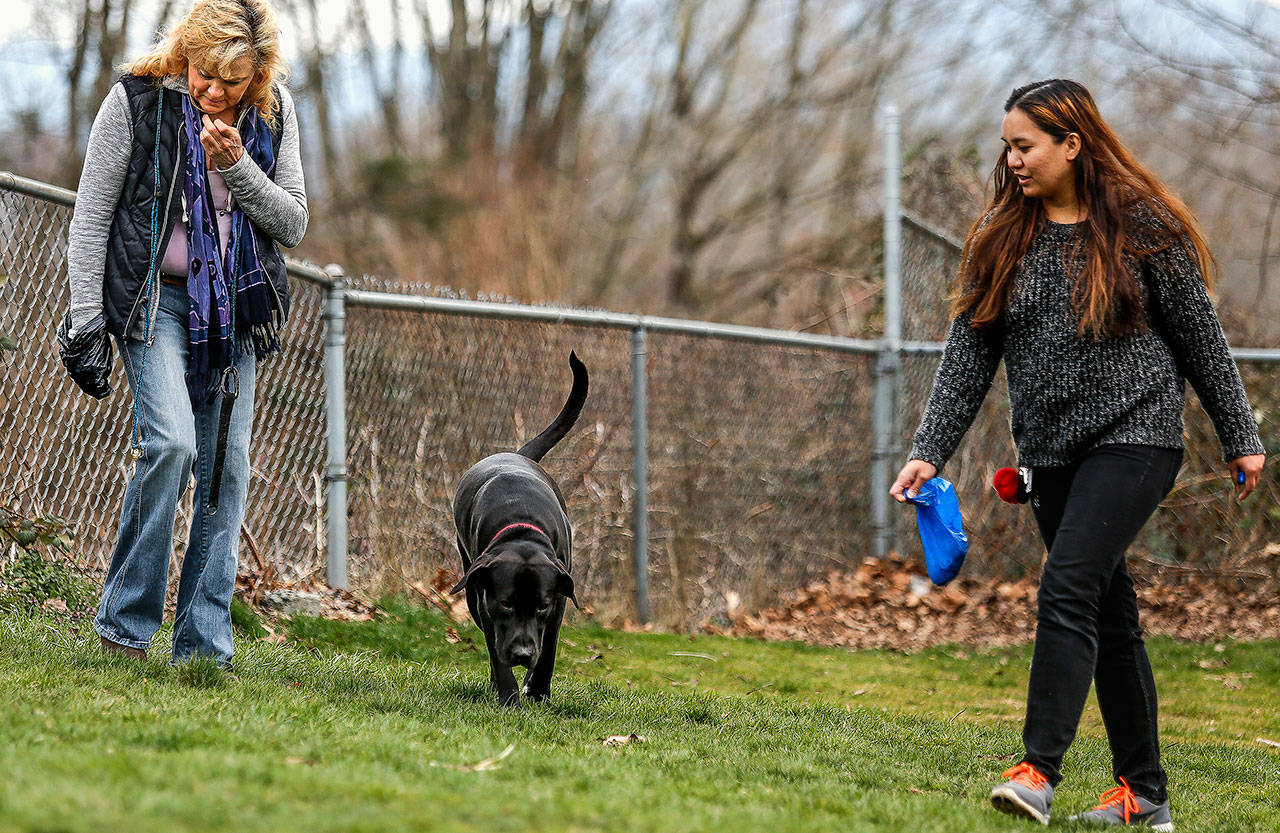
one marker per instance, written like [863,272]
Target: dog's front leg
[500,676]
[537,683]
[503,682]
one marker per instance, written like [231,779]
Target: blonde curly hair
[217,34]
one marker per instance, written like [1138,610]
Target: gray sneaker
[1123,807]
[1027,793]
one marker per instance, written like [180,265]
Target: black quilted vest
[129,246]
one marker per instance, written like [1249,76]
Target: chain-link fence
[754,463]
[759,454]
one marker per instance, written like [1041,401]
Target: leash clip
[231,382]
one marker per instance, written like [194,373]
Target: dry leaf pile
[890,604]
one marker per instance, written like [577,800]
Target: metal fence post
[335,388]
[885,405]
[640,467]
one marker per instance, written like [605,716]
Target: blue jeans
[178,441]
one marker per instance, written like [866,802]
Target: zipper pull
[185,219]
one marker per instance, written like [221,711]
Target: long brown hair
[1112,187]
[218,33]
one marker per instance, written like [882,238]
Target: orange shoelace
[1026,775]
[1120,795]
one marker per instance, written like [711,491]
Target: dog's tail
[554,433]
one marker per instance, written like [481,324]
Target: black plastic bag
[88,356]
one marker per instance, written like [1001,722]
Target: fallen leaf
[486,765]
[732,604]
[1230,681]
[622,740]
[451,636]
[1266,742]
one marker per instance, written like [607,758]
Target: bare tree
[467,63]
[752,146]
[556,87]
[386,84]
[315,83]
[1222,91]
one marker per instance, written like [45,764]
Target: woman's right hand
[913,475]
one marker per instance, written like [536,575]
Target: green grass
[379,726]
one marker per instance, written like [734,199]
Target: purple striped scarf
[229,294]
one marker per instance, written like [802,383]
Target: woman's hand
[1251,467]
[913,475]
[221,142]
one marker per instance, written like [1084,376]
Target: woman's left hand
[221,143]
[1251,467]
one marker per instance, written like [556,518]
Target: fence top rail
[1259,355]
[612,320]
[308,272]
[35,188]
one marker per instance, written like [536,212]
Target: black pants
[1087,624]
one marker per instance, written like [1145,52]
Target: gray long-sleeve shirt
[278,207]
[1070,393]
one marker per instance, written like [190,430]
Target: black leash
[230,390]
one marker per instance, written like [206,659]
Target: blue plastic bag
[941,529]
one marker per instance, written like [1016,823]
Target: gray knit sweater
[278,206]
[1070,393]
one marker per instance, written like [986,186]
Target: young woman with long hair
[192,181]
[1087,277]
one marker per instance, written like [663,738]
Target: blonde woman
[192,181]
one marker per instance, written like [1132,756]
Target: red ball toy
[1006,483]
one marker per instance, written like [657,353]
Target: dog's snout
[522,655]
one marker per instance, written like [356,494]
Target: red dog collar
[498,534]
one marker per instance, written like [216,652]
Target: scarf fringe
[266,340]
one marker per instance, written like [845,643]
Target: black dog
[514,539]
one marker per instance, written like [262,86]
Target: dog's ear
[564,586]
[478,567]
